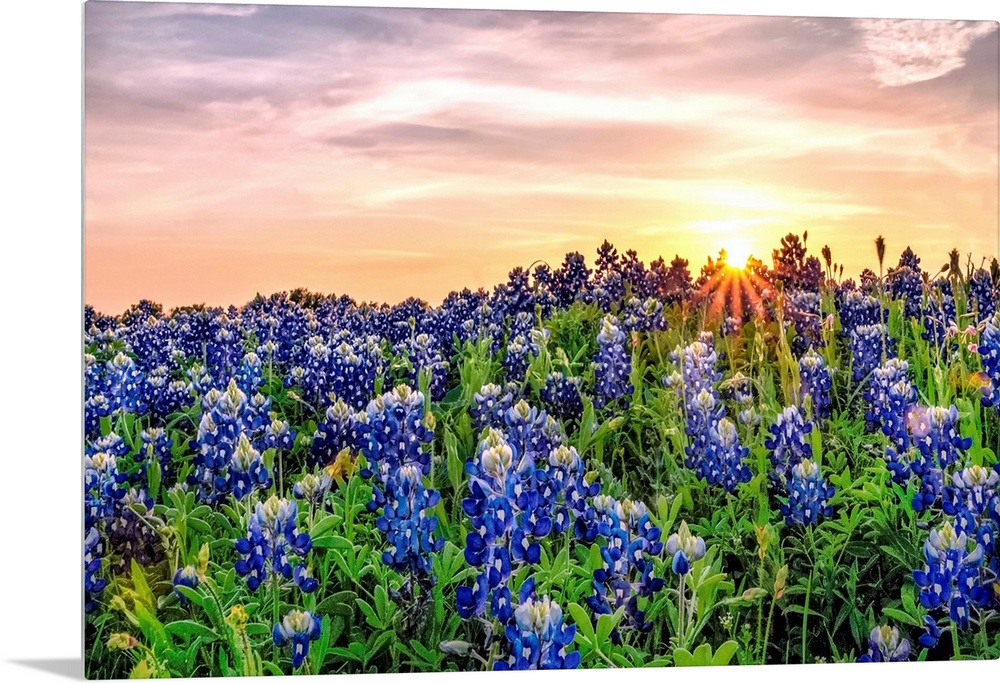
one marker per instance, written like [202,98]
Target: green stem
[805,616]
[767,633]
[954,642]
[680,613]
[281,484]
[275,612]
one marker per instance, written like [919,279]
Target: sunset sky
[236,149]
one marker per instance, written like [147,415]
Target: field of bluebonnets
[604,465]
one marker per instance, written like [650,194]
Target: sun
[738,252]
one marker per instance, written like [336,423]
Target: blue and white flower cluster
[230,434]
[563,396]
[272,534]
[713,451]
[808,495]
[630,543]
[612,365]
[408,523]
[815,382]
[537,637]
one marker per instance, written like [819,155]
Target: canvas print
[461,340]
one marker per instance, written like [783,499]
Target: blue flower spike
[296,630]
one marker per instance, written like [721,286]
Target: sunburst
[733,289]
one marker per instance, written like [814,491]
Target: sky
[384,153]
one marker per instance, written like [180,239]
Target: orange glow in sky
[383,153]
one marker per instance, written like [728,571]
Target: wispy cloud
[909,51]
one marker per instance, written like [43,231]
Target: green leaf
[905,618]
[150,626]
[140,585]
[725,653]
[190,628]
[317,653]
[370,614]
[192,594]
[154,479]
[333,542]
[584,628]
[683,658]
[703,655]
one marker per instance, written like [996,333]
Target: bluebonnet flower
[951,575]
[643,316]
[249,376]
[562,396]
[858,309]
[223,350]
[537,637]
[571,280]
[221,425]
[566,474]
[612,365]
[125,384]
[246,472]
[304,580]
[185,577]
[802,311]
[974,500]
[906,283]
[697,363]
[982,295]
[408,523]
[731,326]
[788,445]
[256,415]
[713,449]
[815,382]
[199,378]
[511,505]
[157,445]
[524,428]
[935,434]
[93,585]
[299,376]
[723,457]
[866,348]
[703,412]
[95,407]
[277,435]
[516,360]
[989,353]
[684,548]
[490,507]
[932,633]
[939,314]
[396,430]
[271,535]
[886,646]
[793,268]
[297,629]
[808,495]
[738,390]
[339,430]
[491,403]
[426,358]
[353,369]
[102,486]
[891,398]
[312,488]
[173,397]
[631,541]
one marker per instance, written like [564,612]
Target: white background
[40,210]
